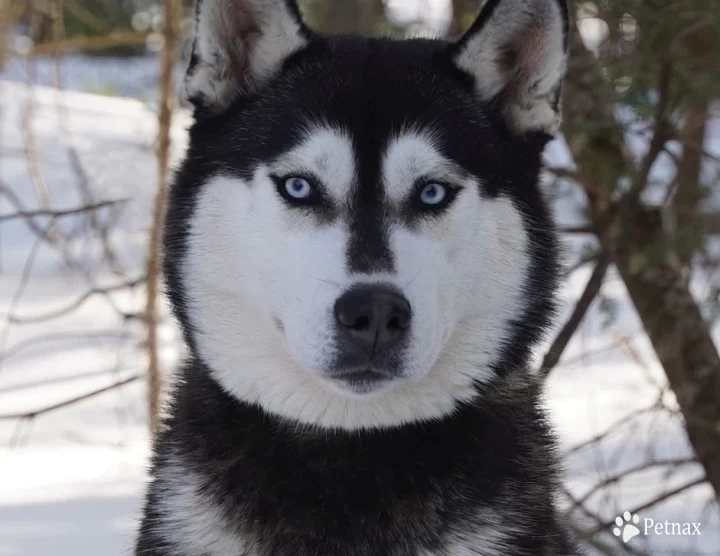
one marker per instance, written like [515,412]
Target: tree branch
[660,136]
[654,502]
[614,427]
[71,401]
[50,315]
[25,214]
[581,307]
[612,479]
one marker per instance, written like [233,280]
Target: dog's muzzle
[372,322]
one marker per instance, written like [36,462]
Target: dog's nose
[375,318]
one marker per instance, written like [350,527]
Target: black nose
[375,318]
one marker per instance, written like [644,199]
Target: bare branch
[70,307]
[612,479]
[563,338]
[654,502]
[660,136]
[597,520]
[614,427]
[19,207]
[71,401]
[59,212]
[20,290]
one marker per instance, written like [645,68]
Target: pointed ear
[516,52]
[239,46]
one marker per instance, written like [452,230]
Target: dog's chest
[192,522]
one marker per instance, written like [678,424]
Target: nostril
[361,322]
[398,323]
[352,314]
[399,314]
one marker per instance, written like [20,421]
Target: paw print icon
[626,526]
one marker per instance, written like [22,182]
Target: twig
[612,479]
[83,182]
[34,165]
[59,213]
[654,502]
[612,428]
[20,290]
[70,307]
[37,412]
[659,138]
[563,338]
[61,336]
[597,519]
[19,207]
[587,258]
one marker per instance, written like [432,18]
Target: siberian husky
[361,261]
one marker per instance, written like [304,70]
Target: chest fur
[192,522]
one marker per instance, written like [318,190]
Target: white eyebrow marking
[327,152]
[412,155]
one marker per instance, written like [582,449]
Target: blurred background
[90,127]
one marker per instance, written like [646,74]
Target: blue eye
[433,194]
[298,188]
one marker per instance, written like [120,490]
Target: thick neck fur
[283,489]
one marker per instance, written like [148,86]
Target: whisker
[336,284]
[413,280]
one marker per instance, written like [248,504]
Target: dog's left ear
[516,52]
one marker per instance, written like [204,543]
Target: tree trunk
[637,242]
[677,331]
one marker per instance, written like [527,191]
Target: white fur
[534,30]
[328,153]
[484,541]
[189,520]
[262,279]
[240,45]
[412,155]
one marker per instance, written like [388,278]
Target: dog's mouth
[360,382]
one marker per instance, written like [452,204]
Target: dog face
[356,238]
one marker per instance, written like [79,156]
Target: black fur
[298,491]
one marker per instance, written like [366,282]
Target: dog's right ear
[239,45]
[516,53]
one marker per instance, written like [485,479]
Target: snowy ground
[71,480]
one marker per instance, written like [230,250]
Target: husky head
[356,238]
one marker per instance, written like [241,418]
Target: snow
[71,481]
[128,77]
